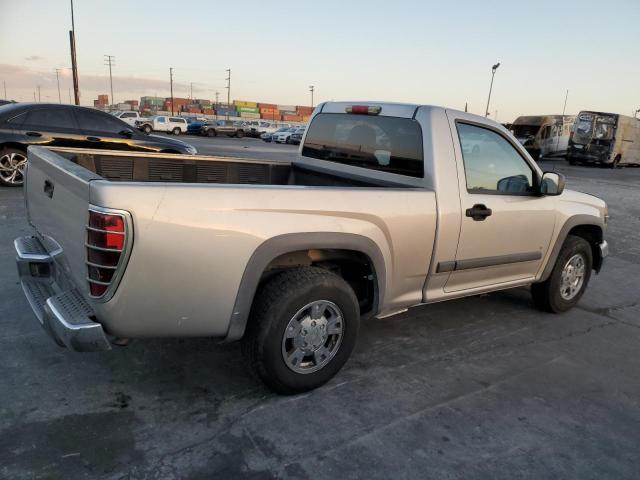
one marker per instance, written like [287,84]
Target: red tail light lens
[106,240]
[364,109]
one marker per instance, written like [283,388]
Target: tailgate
[57,199]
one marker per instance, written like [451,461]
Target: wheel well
[18,146]
[354,267]
[592,234]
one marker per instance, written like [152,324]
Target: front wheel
[303,327]
[239,134]
[569,277]
[176,131]
[12,163]
[147,129]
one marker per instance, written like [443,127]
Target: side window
[99,122]
[161,120]
[492,164]
[128,115]
[51,118]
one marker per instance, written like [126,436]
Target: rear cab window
[386,144]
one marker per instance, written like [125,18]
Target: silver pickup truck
[387,206]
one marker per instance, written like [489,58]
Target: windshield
[591,127]
[387,144]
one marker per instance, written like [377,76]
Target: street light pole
[311,89]
[228,91]
[58,81]
[493,73]
[4,82]
[109,59]
[171,86]
[74,65]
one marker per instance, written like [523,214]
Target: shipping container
[208,111]
[291,118]
[304,110]
[242,103]
[248,109]
[249,115]
[287,108]
[271,106]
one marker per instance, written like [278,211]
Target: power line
[110,60]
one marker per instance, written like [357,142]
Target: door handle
[94,139]
[33,134]
[479,212]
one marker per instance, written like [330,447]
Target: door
[52,126]
[506,226]
[105,131]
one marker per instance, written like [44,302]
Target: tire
[147,129]
[616,162]
[292,295]
[239,134]
[12,164]
[176,131]
[552,295]
[211,132]
[287,141]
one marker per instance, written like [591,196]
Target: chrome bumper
[59,307]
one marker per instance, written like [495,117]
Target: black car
[24,124]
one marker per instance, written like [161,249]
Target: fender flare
[572,222]
[282,244]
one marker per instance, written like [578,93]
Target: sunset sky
[410,51]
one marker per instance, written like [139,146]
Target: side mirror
[552,183]
[127,133]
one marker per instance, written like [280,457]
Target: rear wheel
[239,134]
[176,131]
[211,132]
[147,128]
[303,327]
[569,277]
[12,163]
[616,162]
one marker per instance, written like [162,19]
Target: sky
[424,52]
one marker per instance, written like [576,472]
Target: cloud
[33,58]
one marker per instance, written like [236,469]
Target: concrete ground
[480,388]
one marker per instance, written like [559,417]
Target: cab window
[492,164]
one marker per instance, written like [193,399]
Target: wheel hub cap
[12,168]
[312,337]
[572,277]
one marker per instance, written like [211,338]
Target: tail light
[363,109]
[106,243]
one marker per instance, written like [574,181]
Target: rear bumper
[57,304]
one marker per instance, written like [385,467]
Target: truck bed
[157,167]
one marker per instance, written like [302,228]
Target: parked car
[231,128]
[268,135]
[129,116]
[24,124]
[296,136]
[605,138]
[401,213]
[284,136]
[163,123]
[194,125]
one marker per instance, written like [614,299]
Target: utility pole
[38,93]
[191,94]
[74,65]
[34,95]
[566,95]
[110,60]
[217,102]
[228,87]
[466,104]
[5,89]
[58,81]
[171,83]
[311,89]
[493,73]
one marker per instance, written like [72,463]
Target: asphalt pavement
[480,388]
